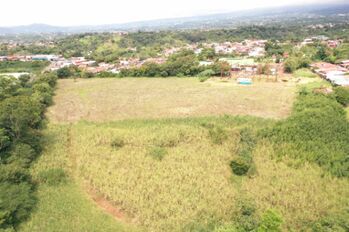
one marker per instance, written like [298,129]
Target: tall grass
[63,206]
[192,188]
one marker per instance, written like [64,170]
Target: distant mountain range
[295,14]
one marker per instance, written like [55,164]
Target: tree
[64,72]
[18,115]
[291,65]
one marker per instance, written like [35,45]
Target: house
[45,57]
[241,64]
[205,63]
[257,52]
[336,74]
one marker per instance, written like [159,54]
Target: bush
[342,95]
[246,218]
[332,223]
[52,176]
[157,153]
[240,165]
[207,73]
[271,222]
[117,143]
[203,79]
[16,201]
[243,164]
[217,135]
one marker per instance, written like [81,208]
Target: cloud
[93,12]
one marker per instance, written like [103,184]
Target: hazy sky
[92,12]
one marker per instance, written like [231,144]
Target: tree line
[22,105]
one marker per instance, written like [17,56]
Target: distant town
[244,62]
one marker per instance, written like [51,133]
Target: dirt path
[107,206]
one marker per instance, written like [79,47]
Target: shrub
[52,176]
[271,222]
[167,141]
[342,95]
[117,143]
[157,153]
[246,218]
[203,79]
[240,166]
[332,223]
[243,163]
[16,200]
[207,73]
[217,135]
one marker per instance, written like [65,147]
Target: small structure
[241,64]
[244,81]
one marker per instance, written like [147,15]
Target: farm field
[170,171]
[115,99]
[170,175]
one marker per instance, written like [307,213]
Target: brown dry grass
[116,99]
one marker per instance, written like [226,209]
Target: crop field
[115,99]
[171,175]
[169,171]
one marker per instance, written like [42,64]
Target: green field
[304,72]
[169,174]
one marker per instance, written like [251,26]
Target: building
[45,57]
[242,64]
[336,74]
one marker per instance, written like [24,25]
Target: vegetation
[304,72]
[342,95]
[63,205]
[22,107]
[95,99]
[174,174]
[243,163]
[22,66]
[317,131]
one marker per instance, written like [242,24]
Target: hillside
[303,15]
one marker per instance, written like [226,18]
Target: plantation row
[22,105]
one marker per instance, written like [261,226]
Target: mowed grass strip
[115,99]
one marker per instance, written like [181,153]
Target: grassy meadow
[101,100]
[161,168]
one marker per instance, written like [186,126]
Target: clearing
[114,99]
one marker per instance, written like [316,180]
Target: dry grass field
[115,99]
[131,146]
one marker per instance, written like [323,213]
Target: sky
[96,12]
